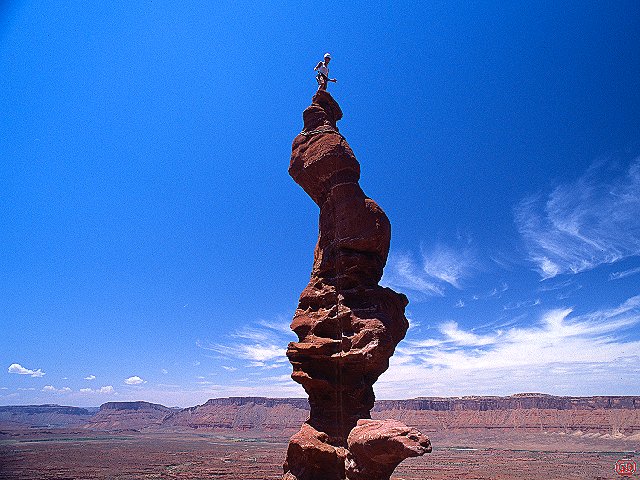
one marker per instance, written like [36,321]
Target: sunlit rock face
[347,325]
[376,448]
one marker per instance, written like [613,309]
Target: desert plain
[37,454]
[523,436]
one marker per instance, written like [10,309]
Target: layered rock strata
[347,325]
[114,416]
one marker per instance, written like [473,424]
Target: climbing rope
[338,279]
[338,303]
[319,131]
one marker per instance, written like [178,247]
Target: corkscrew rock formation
[347,325]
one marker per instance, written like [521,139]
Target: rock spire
[347,325]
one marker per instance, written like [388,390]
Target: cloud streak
[570,354]
[52,389]
[106,390]
[261,346]
[583,224]
[447,265]
[624,273]
[438,267]
[402,272]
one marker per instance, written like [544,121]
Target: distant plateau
[611,417]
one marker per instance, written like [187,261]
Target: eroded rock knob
[376,448]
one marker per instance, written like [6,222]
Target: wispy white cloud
[522,304]
[107,389]
[548,286]
[135,380]
[564,289]
[495,292]
[448,265]
[504,261]
[52,389]
[438,267]
[402,272]
[560,351]
[454,334]
[413,323]
[281,325]
[583,224]
[498,291]
[261,346]
[624,273]
[257,353]
[20,370]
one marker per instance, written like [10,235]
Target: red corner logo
[625,467]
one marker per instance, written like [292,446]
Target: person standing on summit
[323,72]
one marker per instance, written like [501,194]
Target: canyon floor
[477,454]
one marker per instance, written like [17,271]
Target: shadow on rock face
[310,456]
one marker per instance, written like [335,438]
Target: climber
[323,72]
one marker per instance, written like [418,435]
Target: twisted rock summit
[347,325]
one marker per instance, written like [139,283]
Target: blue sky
[154,246]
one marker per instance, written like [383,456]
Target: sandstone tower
[347,324]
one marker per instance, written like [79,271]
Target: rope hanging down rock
[322,130]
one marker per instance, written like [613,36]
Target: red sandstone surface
[271,416]
[376,448]
[48,416]
[347,325]
[128,416]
